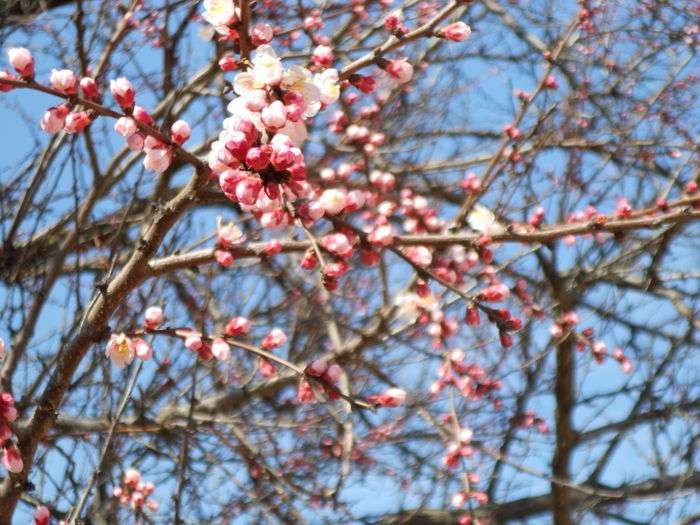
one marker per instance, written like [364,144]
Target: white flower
[295,131]
[300,80]
[411,304]
[483,220]
[267,70]
[328,85]
[219,13]
[120,350]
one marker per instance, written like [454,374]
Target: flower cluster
[11,457]
[257,156]
[134,492]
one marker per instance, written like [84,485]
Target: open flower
[328,85]
[299,80]
[267,70]
[219,13]
[120,350]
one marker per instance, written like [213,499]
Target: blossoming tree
[263,261]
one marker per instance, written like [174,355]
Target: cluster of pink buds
[471,183]
[590,213]
[530,419]
[324,373]
[564,324]
[11,457]
[392,397]
[205,348]
[459,449]
[134,492]
[469,379]
[420,216]
[257,156]
[460,498]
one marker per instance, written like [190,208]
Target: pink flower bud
[333,201]
[224,258]
[400,69]
[393,397]
[142,116]
[255,100]
[42,516]
[193,342]
[257,159]
[274,339]
[126,127]
[64,81]
[274,116]
[220,349]
[237,326]
[317,368]
[142,349]
[152,317]
[261,34]
[228,63]
[334,372]
[123,92]
[54,119]
[76,122]
[322,56]
[5,75]
[12,459]
[136,142]
[22,60]
[89,88]
[456,31]
[180,131]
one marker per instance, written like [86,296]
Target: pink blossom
[152,317]
[22,60]
[5,75]
[132,477]
[193,341]
[393,397]
[224,258]
[76,122]
[64,81]
[274,116]
[125,126]
[317,368]
[142,349]
[123,92]
[322,56]
[12,459]
[382,235]
[333,201]
[338,244]
[274,339]
[88,86]
[8,412]
[237,326]
[257,159]
[334,372]
[54,119]
[261,34]
[136,141]
[456,31]
[180,131]
[400,69]
[220,349]
[42,516]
